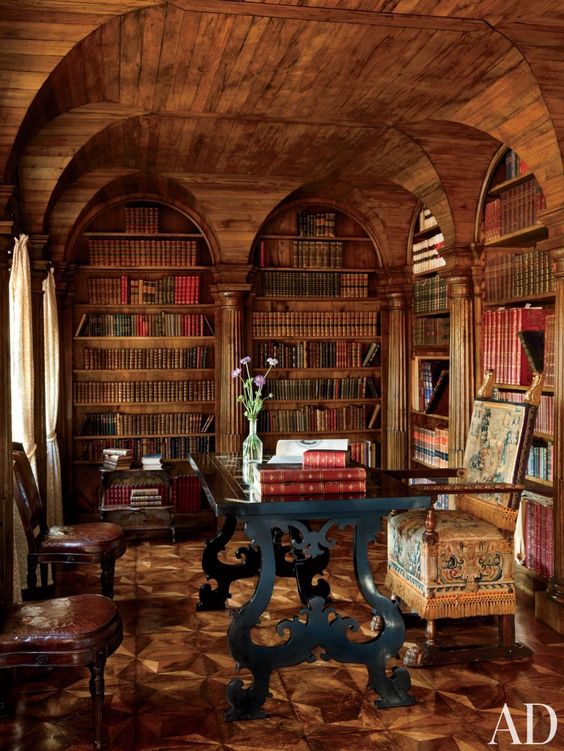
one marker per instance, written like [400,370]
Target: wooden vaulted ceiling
[374,104]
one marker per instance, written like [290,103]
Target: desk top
[227,494]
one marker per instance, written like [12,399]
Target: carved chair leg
[108,568]
[44,575]
[97,694]
[31,576]
[506,630]
[431,634]
[4,688]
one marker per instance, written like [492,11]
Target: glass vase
[252,452]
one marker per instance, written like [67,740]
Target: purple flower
[272,361]
[236,372]
[245,360]
[259,380]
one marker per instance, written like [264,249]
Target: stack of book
[114,458]
[151,461]
[321,474]
[145,497]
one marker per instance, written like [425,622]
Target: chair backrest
[27,498]
[497,450]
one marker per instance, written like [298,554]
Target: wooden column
[230,347]
[396,423]
[8,201]
[38,268]
[549,605]
[462,389]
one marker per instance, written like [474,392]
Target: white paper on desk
[292,451]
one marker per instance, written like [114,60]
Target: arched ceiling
[243,103]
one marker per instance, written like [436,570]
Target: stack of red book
[322,473]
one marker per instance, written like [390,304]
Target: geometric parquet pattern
[165,686]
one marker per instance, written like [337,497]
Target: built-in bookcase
[518,294]
[430,345]
[143,370]
[315,311]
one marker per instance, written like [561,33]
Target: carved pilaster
[396,422]
[461,364]
[549,605]
[66,290]
[230,346]
[38,269]
[8,203]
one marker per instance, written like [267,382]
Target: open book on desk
[291,451]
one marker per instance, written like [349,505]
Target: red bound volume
[324,458]
[294,473]
[335,487]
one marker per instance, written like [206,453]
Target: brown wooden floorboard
[165,686]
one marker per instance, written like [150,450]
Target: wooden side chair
[98,542]
[63,632]
[459,563]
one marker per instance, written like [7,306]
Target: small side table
[137,518]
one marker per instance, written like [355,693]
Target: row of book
[309,418]
[545,415]
[317,254]
[426,219]
[93,392]
[287,389]
[430,445]
[541,461]
[116,458]
[515,209]
[184,493]
[332,354]
[177,447]
[429,295]
[367,452]
[153,358]
[514,165]
[315,324]
[123,290]
[167,423]
[431,374]
[511,275]
[501,349]
[146,497]
[129,252]
[538,534]
[319,284]
[431,332]
[144,324]
[142,220]
[426,254]
[316,224]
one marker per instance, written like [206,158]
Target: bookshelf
[143,361]
[518,293]
[430,345]
[315,311]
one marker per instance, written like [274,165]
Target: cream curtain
[21,361]
[51,332]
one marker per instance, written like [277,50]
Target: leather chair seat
[102,538]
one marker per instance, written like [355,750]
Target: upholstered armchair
[459,562]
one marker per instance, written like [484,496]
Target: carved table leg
[223,573]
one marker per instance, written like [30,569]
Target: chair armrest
[413,474]
[459,488]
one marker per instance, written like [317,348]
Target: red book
[335,487]
[325,458]
[269,473]
[306,497]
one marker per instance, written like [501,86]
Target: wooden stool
[64,632]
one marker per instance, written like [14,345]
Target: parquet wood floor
[165,686]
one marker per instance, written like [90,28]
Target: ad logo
[506,724]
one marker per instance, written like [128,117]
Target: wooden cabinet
[518,294]
[143,371]
[430,346]
[315,311]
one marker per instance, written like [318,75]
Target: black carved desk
[265,524]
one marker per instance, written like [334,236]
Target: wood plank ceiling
[237,105]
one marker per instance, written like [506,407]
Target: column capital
[230,295]
[460,259]
[394,281]
[233,274]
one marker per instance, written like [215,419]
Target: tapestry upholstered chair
[81,630]
[97,542]
[459,562]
